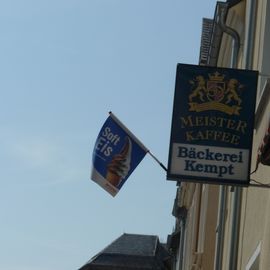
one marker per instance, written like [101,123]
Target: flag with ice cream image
[116,154]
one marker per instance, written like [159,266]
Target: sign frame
[212,125]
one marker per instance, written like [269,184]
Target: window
[254,261]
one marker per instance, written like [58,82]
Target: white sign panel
[212,162]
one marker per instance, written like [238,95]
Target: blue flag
[116,154]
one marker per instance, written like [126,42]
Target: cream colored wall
[256,201]
[255,208]
[255,216]
[210,227]
[189,194]
[253,222]
[202,204]
[228,220]
[255,212]
[261,60]
[258,46]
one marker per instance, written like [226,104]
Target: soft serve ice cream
[119,166]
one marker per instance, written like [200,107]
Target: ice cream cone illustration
[119,166]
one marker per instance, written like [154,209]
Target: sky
[64,64]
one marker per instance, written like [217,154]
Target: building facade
[226,227]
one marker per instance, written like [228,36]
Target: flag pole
[121,124]
[161,165]
[136,139]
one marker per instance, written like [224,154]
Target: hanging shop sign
[212,125]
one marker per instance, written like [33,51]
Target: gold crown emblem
[215,93]
[216,77]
